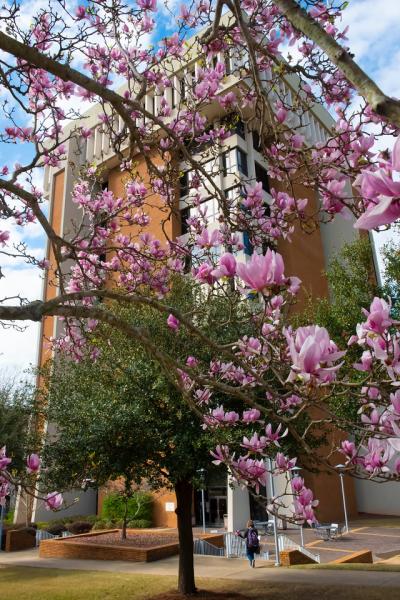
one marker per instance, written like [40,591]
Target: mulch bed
[137,540]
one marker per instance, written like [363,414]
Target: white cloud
[19,349]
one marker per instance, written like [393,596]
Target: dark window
[214,61]
[184,184]
[224,164]
[242,161]
[185,214]
[182,88]
[173,97]
[248,246]
[262,175]
[256,141]
[240,128]
[104,185]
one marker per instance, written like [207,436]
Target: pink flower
[191,361]
[378,316]
[251,415]
[205,240]
[205,273]
[283,464]
[226,267]
[383,194]
[4,461]
[313,354]
[4,237]
[147,4]
[262,271]
[53,501]
[32,463]
[297,484]
[349,449]
[173,322]
[274,437]
[255,444]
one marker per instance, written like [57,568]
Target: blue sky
[375,41]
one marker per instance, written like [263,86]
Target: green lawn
[21,583]
[351,567]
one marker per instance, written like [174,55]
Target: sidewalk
[209,567]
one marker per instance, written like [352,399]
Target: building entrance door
[218,508]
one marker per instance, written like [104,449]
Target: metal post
[203,510]
[301,536]
[277,555]
[344,502]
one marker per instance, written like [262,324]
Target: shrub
[139,524]
[9,518]
[55,528]
[79,527]
[103,524]
[139,507]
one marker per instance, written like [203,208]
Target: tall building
[239,161]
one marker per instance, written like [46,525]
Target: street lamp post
[341,475]
[277,554]
[202,473]
[295,471]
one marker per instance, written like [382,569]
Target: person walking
[250,534]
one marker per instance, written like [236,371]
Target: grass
[21,583]
[351,567]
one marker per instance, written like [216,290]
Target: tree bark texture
[184,497]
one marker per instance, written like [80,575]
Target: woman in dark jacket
[250,534]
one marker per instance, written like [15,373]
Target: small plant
[139,506]
[139,524]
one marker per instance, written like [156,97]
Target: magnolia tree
[99,53]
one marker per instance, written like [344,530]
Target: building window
[182,86]
[234,124]
[173,97]
[256,141]
[232,160]
[262,176]
[241,158]
[248,248]
[185,214]
[184,184]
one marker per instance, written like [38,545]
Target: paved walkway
[384,542]
[210,566]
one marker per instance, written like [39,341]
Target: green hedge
[139,507]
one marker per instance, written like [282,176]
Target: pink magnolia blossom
[255,443]
[32,463]
[226,266]
[173,323]
[382,192]
[53,501]
[313,354]
[262,272]
[4,460]
[251,415]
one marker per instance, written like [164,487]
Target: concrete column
[238,506]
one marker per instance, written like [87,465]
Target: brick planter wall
[295,557]
[19,540]
[362,556]
[71,547]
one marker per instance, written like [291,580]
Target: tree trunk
[184,496]
[123,531]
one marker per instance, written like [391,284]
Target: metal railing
[206,549]
[235,547]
